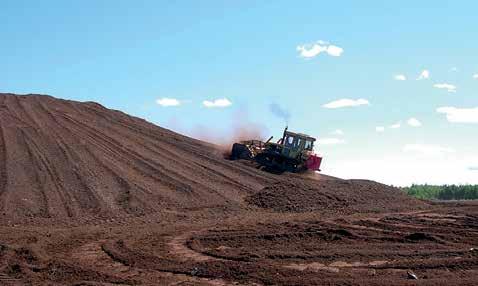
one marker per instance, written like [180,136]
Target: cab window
[289,141]
[298,142]
[308,144]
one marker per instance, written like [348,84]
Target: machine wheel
[240,151]
[270,163]
[264,160]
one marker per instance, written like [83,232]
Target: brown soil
[92,196]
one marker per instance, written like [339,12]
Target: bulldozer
[294,152]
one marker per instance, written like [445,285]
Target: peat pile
[68,160]
[65,159]
[332,196]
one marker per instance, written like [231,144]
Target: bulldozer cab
[295,143]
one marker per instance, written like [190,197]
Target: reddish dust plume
[241,129]
[225,139]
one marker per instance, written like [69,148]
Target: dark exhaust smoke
[280,112]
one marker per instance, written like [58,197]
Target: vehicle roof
[300,135]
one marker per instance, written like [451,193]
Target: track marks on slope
[47,177]
[93,200]
[71,159]
[158,146]
[3,162]
[153,169]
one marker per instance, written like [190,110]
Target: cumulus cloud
[414,122]
[475,76]
[330,141]
[459,115]
[334,51]
[346,102]
[425,74]
[338,132]
[221,102]
[428,150]
[313,50]
[166,102]
[396,125]
[400,77]
[380,129]
[447,86]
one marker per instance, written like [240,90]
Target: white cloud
[313,50]
[427,150]
[380,129]
[460,115]
[414,122]
[334,51]
[447,86]
[396,125]
[454,69]
[425,74]
[221,102]
[166,102]
[400,77]
[346,102]
[475,76]
[338,132]
[330,141]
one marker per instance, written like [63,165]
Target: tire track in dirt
[86,199]
[7,280]
[3,151]
[37,181]
[169,155]
[91,200]
[49,178]
[3,162]
[167,176]
[49,125]
[120,185]
[124,188]
[179,246]
[14,105]
[156,172]
[95,253]
[224,175]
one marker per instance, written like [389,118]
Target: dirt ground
[91,196]
[258,248]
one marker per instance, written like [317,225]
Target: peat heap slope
[66,159]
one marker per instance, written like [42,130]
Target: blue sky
[127,55]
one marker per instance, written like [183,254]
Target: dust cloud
[241,128]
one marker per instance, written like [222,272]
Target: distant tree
[444,192]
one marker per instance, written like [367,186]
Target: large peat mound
[67,159]
[62,159]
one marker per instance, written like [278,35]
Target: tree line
[444,192]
